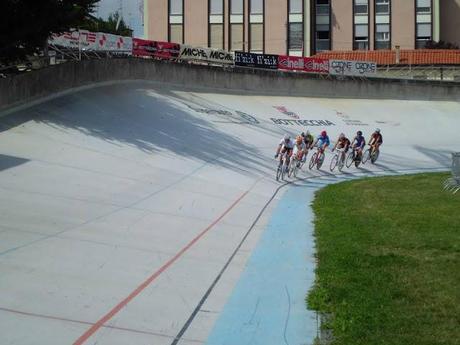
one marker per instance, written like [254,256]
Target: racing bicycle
[353,157]
[282,167]
[317,159]
[294,166]
[338,160]
[372,154]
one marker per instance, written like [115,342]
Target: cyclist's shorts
[287,150]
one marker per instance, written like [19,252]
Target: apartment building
[302,27]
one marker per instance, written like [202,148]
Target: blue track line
[267,305]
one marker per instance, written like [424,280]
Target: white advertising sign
[109,42]
[86,40]
[206,54]
[352,68]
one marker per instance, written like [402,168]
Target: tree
[25,25]
[440,45]
[108,26]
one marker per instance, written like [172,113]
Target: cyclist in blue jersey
[358,144]
[322,141]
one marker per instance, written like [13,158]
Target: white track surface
[101,188]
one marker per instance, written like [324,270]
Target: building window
[322,29]
[175,7]
[424,6]
[175,33]
[361,24]
[176,21]
[236,25]
[236,7]
[295,6]
[382,36]
[295,27]
[361,37]
[216,24]
[216,34]
[424,23]
[216,7]
[256,31]
[382,6]
[257,6]
[236,34]
[256,26]
[295,36]
[361,7]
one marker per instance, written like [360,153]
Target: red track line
[100,323]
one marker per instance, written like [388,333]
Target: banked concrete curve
[147,213]
[49,82]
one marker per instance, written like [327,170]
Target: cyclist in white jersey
[286,146]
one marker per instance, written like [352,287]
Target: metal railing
[428,72]
[452,184]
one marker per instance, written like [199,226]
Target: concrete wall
[42,83]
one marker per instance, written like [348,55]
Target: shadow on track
[124,114]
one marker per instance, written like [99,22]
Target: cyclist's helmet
[287,137]
[359,133]
[323,133]
[377,130]
[341,136]
[299,140]
[308,133]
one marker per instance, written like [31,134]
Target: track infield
[388,261]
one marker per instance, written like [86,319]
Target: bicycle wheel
[312,161]
[320,161]
[278,172]
[357,162]
[341,162]
[291,167]
[294,168]
[334,162]
[349,160]
[366,156]
[283,170]
[375,156]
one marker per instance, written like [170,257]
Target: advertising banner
[205,54]
[256,60]
[65,39]
[352,68]
[163,50]
[87,40]
[305,64]
[109,42]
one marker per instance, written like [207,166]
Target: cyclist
[286,146]
[358,144]
[376,140]
[299,152]
[342,143]
[322,141]
[308,139]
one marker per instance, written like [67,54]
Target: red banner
[164,50]
[304,64]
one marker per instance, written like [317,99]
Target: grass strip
[388,254]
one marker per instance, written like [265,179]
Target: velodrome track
[136,213]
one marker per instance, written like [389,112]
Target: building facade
[302,27]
